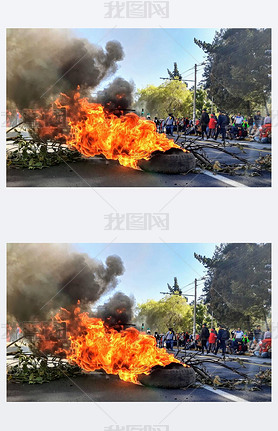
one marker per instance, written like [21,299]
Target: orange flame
[94,131]
[94,345]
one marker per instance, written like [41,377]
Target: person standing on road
[239,334]
[250,338]
[204,122]
[222,122]
[250,121]
[156,336]
[212,341]
[258,119]
[169,337]
[204,337]
[238,120]
[212,126]
[267,120]
[258,334]
[169,123]
[222,336]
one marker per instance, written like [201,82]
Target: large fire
[94,345]
[93,130]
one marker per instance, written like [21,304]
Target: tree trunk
[248,323]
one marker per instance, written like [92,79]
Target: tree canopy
[238,68]
[171,96]
[238,285]
[169,312]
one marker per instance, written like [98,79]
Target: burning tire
[173,376]
[173,161]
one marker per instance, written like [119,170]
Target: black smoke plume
[41,278]
[117,96]
[118,310]
[41,63]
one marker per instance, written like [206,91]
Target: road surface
[99,387]
[98,172]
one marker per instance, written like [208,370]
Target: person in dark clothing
[222,122]
[250,121]
[157,337]
[258,119]
[222,336]
[204,335]
[258,334]
[204,122]
[250,336]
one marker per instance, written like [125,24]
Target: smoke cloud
[41,63]
[41,278]
[118,95]
[117,310]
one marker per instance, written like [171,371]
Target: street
[98,172]
[99,387]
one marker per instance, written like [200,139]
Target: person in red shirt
[212,340]
[265,348]
[265,133]
[212,126]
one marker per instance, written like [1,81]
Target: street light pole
[194,316]
[194,99]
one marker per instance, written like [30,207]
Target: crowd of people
[234,127]
[235,341]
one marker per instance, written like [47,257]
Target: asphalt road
[99,387]
[97,172]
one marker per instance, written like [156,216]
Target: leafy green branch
[34,369]
[37,154]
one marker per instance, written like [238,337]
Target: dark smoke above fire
[117,95]
[117,310]
[41,278]
[42,63]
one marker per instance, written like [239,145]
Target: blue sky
[149,267]
[149,52]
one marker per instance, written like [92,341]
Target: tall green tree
[238,285]
[202,101]
[169,312]
[175,290]
[202,315]
[175,74]
[169,97]
[238,68]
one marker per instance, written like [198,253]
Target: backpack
[225,335]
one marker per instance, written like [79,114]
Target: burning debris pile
[51,75]
[51,289]
[94,131]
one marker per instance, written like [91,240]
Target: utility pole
[195,303]
[194,100]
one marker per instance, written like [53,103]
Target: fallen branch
[12,128]
[20,338]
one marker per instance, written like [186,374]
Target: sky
[149,267]
[149,52]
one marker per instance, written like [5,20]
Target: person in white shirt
[239,119]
